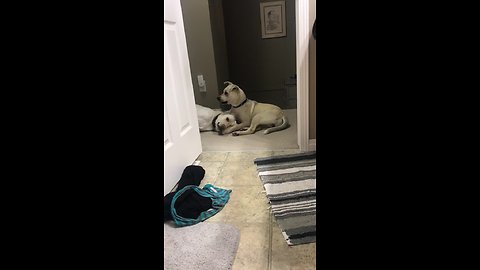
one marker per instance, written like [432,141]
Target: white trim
[312,145]
[302,39]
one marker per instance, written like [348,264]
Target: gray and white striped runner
[290,184]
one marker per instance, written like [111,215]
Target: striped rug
[290,184]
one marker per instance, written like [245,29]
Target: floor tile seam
[270,245]
[257,178]
[241,186]
[221,169]
[246,223]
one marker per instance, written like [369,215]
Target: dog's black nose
[218,98]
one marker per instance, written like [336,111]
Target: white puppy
[213,120]
[251,114]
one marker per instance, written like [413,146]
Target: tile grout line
[219,171]
[221,168]
[270,245]
[216,178]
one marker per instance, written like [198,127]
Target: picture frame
[272,16]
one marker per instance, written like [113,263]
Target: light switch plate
[201,83]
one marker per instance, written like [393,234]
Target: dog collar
[213,121]
[240,103]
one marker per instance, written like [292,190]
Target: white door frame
[304,30]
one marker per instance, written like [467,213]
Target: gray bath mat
[206,245]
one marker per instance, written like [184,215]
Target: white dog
[213,120]
[251,114]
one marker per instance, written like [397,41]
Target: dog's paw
[235,133]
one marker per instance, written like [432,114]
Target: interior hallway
[262,245]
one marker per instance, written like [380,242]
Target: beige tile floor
[262,245]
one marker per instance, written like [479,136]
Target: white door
[181,137]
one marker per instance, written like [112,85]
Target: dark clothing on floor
[218,196]
[192,175]
[190,204]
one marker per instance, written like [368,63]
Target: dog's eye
[226,93]
[227,119]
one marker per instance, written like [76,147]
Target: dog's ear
[227,82]
[235,88]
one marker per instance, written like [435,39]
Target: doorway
[224,42]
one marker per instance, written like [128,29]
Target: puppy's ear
[227,82]
[235,88]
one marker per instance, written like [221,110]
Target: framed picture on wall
[272,16]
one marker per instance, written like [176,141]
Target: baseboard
[312,145]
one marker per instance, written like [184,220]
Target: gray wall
[219,42]
[196,18]
[259,66]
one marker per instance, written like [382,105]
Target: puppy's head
[223,121]
[232,94]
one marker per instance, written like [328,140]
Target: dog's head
[232,94]
[223,121]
